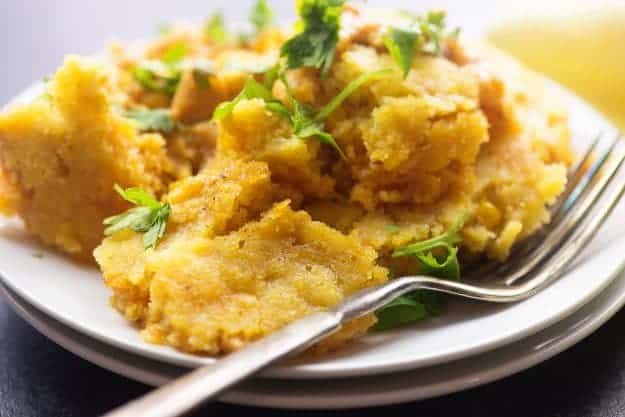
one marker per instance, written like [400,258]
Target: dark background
[40,379]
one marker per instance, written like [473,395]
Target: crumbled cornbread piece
[220,279]
[64,152]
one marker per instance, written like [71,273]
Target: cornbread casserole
[273,198]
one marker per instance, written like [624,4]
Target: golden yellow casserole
[285,172]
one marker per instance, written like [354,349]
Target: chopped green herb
[417,305]
[306,125]
[433,29]
[261,15]
[152,120]
[306,121]
[175,54]
[401,311]
[149,217]
[349,90]
[424,34]
[160,82]
[38,255]
[272,75]
[408,309]
[310,124]
[315,45]
[215,28]
[162,76]
[402,45]
[431,264]
[251,89]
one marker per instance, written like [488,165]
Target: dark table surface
[40,379]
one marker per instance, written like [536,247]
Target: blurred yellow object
[581,44]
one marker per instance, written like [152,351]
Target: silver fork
[577,217]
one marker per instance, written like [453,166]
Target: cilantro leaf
[417,305]
[315,45]
[433,29]
[431,264]
[408,309]
[449,268]
[261,15]
[137,196]
[162,76]
[310,124]
[278,108]
[157,229]
[149,217]
[306,125]
[272,74]
[349,90]
[424,34]
[402,45]
[306,121]
[401,311]
[149,120]
[251,89]
[153,76]
[215,29]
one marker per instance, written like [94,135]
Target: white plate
[354,392]
[75,295]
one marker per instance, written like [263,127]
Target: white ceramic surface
[75,295]
[353,392]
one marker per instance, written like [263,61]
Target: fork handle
[185,393]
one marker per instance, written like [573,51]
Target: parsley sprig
[307,122]
[423,34]
[261,15]
[152,120]
[215,28]
[149,217]
[315,45]
[442,266]
[156,76]
[417,305]
[252,89]
[162,76]
[402,45]
[409,308]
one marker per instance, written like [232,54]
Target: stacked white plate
[471,344]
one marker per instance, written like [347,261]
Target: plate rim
[610,304]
